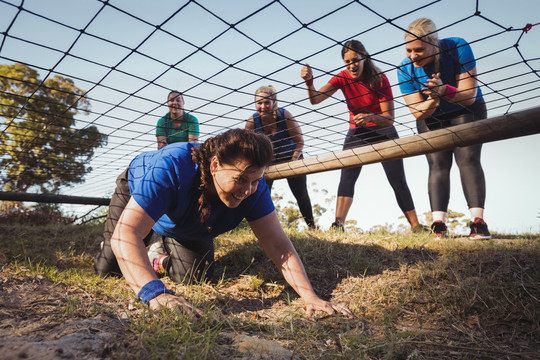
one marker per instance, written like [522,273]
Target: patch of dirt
[36,322]
[41,319]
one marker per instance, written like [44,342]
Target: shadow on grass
[526,236]
[327,263]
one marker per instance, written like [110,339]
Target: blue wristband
[152,289]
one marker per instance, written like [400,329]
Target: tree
[290,215]
[39,143]
[287,215]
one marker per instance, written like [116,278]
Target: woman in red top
[371,119]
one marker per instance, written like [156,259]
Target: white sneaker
[155,252]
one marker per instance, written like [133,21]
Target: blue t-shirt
[165,184]
[282,142]
[456,57]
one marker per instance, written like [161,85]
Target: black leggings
[298,186]
[395,173]
[187,261]
[467,159]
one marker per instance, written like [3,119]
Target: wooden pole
[526,122]
[503,127]
[53,198]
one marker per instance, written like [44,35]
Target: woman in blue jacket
[438,83]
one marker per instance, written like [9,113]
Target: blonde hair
[425,30]
[272,95]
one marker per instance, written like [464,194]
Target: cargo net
[123,59]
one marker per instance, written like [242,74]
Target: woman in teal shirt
[176,125]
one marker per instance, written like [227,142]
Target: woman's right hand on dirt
[174,302]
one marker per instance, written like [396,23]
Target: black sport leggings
[187,261]
[395,173]
[298,186]
[467,159]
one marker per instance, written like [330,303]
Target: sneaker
[337,227]
[313,227]
[479,230]
[420,229]
[439,229]
[156,253]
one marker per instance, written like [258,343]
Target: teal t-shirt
[189,126]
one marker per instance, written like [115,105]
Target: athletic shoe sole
[479,237]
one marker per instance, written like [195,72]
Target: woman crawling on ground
[189,194]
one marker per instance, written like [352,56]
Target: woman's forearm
[463,97]
[298,147]
[315,97]
[294,273]
[132,258]
[425,108]
[380,119]
[280,250]
[467,87]
[128,246]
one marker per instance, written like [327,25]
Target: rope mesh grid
[128,56]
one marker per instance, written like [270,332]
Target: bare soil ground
[34,325]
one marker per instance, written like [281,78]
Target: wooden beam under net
[522,123]
[53,198]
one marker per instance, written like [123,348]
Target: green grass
[412,297]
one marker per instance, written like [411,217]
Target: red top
[360,98]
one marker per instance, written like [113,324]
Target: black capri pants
[395,172]
[187,261]
[467,160]
[298,186]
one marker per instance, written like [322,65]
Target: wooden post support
[53,198]
[526,122]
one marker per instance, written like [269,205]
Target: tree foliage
[39,143]
[290,215]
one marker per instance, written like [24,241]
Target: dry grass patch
[413,298]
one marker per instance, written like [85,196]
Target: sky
[127,64]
